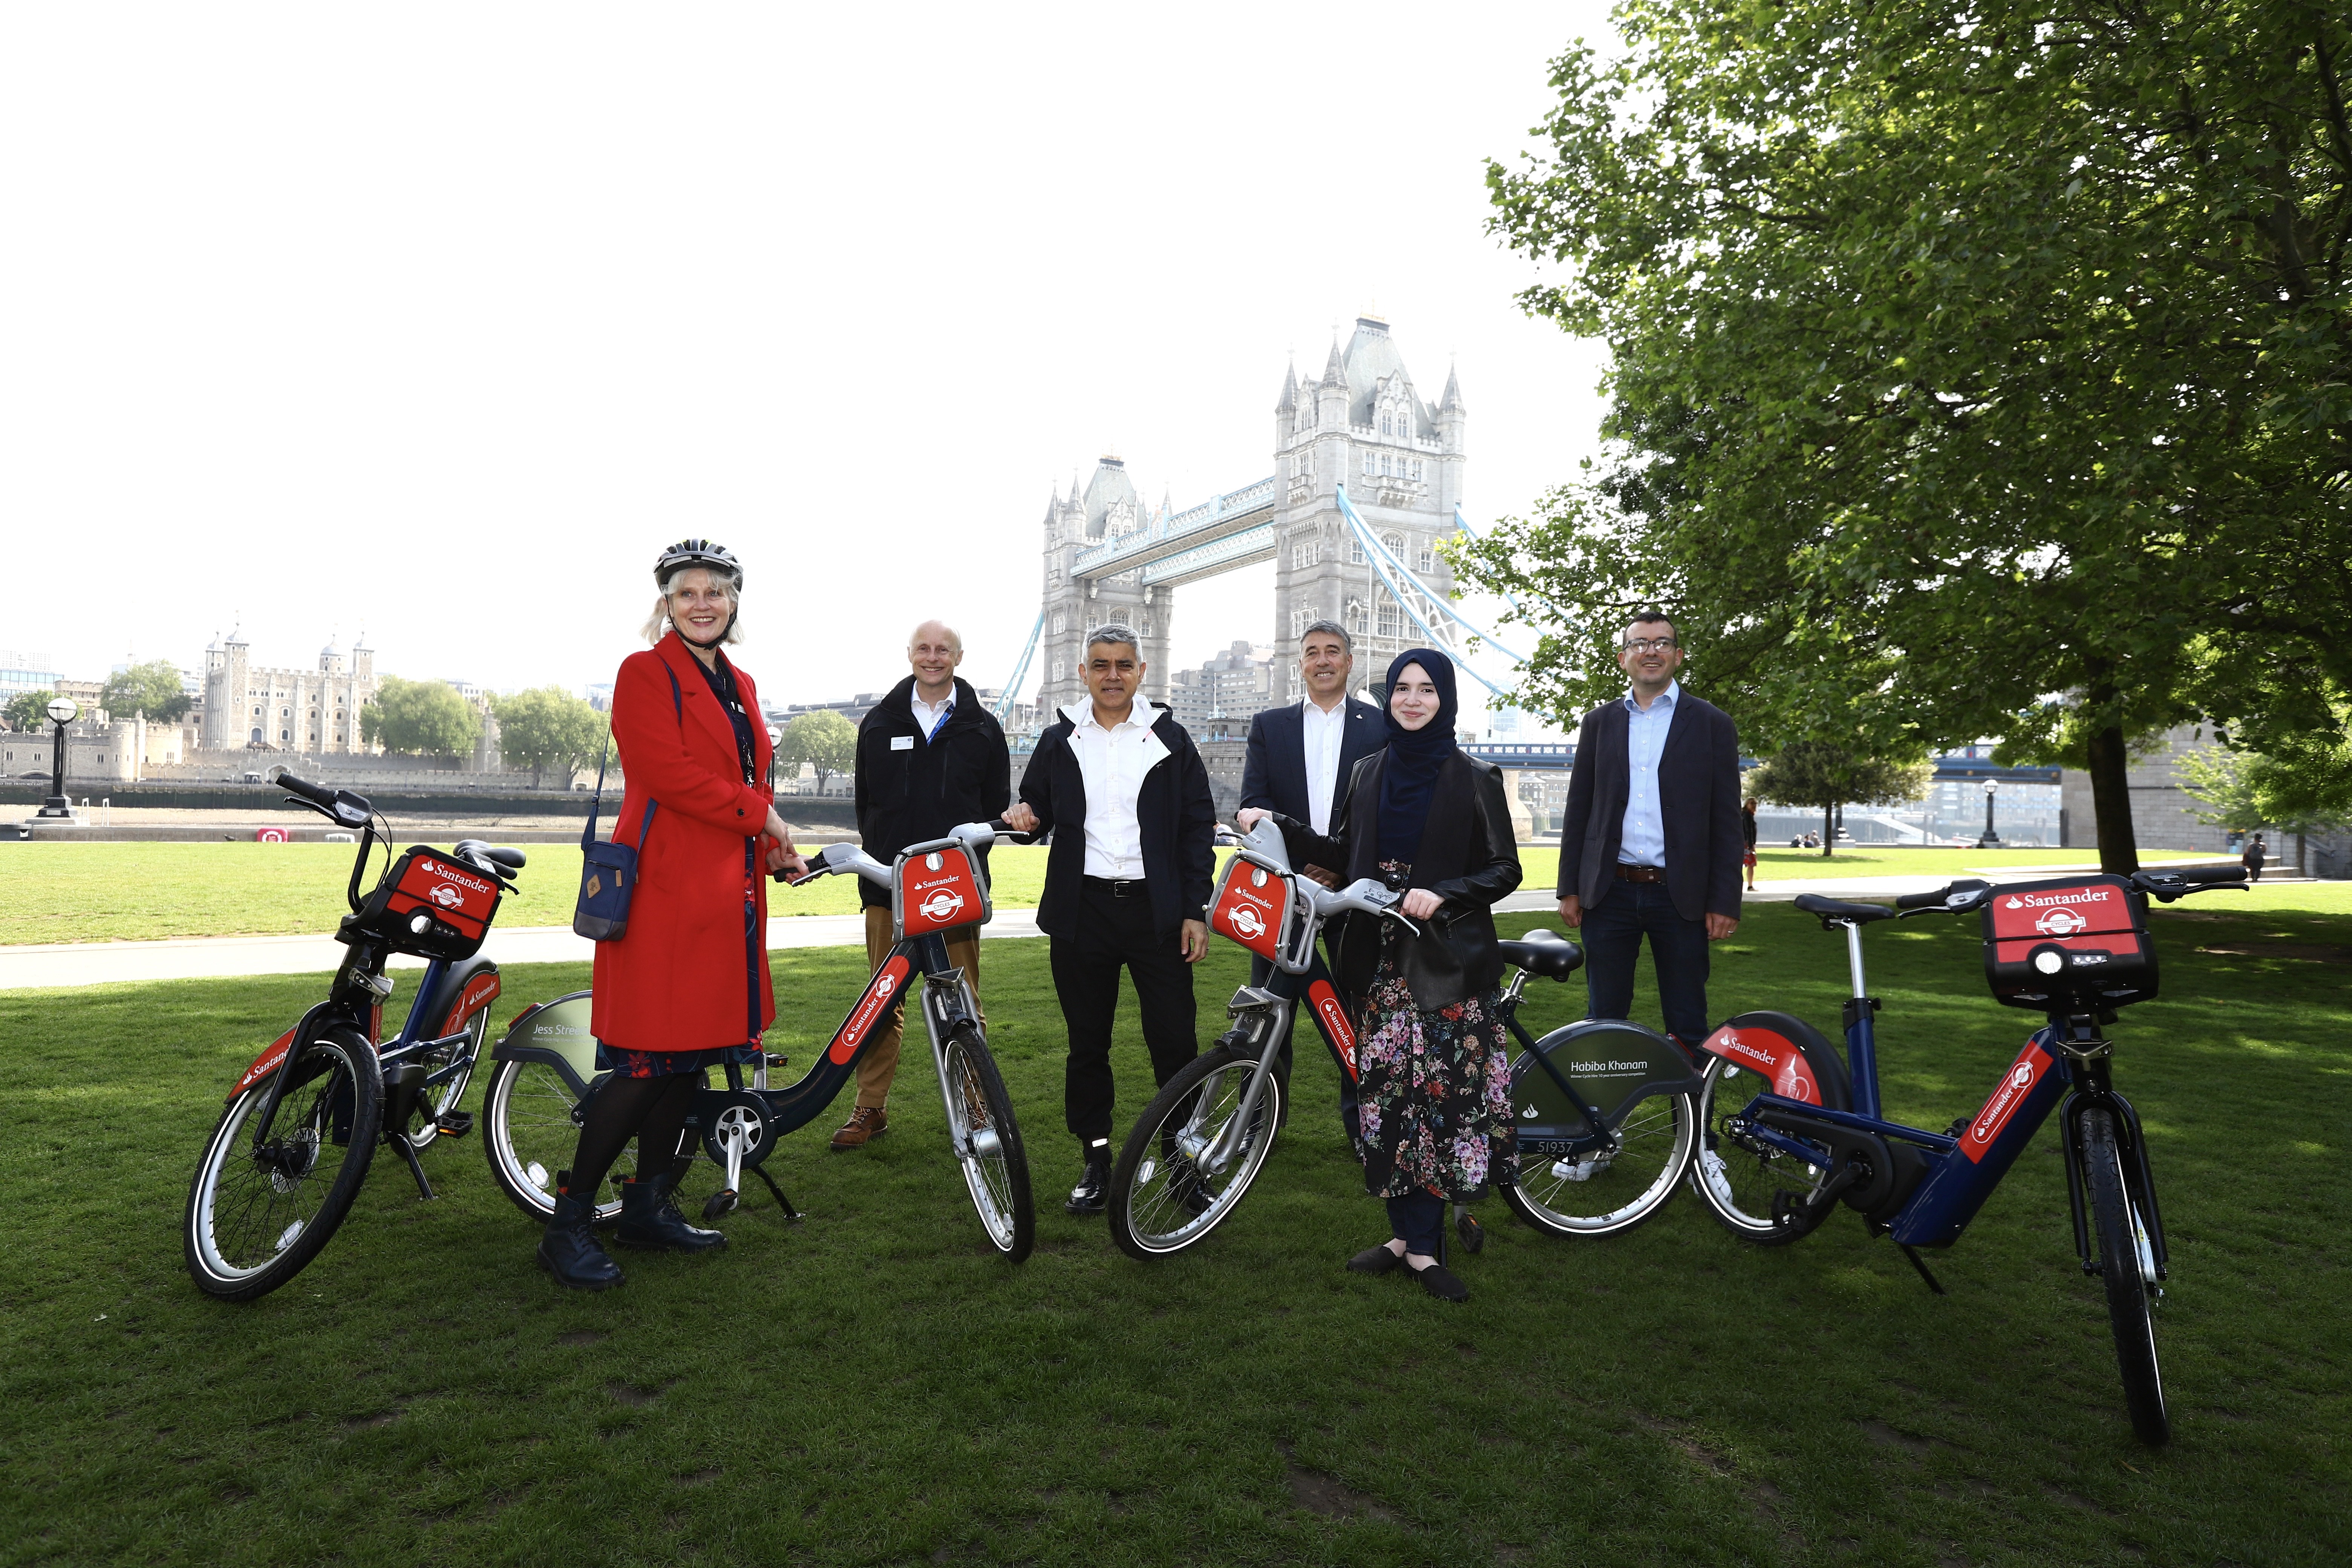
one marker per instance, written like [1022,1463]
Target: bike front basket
[2074,945]
[429,905]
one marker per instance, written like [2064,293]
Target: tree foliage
[426,717]
[1976,369]
[153,689]
[2306,788]
[28,711]
[825,741]
[547,727]
[1814,773]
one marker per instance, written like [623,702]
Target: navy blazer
[1274,769]
[1698,805]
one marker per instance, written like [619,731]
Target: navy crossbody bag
[608,872]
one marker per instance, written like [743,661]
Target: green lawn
[875,1387]
[144,892]
[1894,861]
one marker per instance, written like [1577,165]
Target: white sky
[440,321]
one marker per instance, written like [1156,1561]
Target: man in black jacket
[1300,761]
[929,757]
[1123,792]
[1651,840]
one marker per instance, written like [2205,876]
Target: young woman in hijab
[1435,1078]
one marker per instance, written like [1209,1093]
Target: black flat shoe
[1092,1195]
[1375,1260]
[1440,1281]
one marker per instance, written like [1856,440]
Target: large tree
[422,716]
[825,741]
[1814,773]
[1976,369]
[28,711]
[152,688]
[547,727]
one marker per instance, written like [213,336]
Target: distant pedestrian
[930,757]
[1121,788]
[1747,836]
[2252,858]
[1650,846]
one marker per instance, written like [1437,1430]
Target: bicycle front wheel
[995,1168]
[261,1207]
[1759,1194]
[528,1135]
[2127,1269]
[1191,1155]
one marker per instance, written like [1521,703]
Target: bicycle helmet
[698,553]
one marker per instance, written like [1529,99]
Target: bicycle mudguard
[1963,1179]
[464,990]
[557,1034]
[1612,1065]
[274,1053]
[1790,1054]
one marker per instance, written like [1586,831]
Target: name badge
[902,742]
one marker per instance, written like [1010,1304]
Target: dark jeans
[1115,932]
[1418,1219]
[1302,1027]
[1612,935]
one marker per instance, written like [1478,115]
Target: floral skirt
[667,1064]
[1433,1093]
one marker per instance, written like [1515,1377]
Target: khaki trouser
[880,1063]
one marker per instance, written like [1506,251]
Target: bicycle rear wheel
[1572,1183]
[1173,1184]
[1744,1188]
[2127,1269]
[995,1168]
[528,1135]
[258,1213]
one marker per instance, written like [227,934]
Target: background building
[247,706]
[1221,696]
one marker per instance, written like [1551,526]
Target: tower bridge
[1367,482]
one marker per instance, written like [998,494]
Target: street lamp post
[1991,840]
[63,711]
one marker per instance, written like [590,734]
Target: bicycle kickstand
[1921,1265]
[416,1167]
[791,1214]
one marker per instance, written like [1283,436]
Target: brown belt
[1640,873]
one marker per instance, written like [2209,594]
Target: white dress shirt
[1641,841]
[1113,762]
[1322,732]
[929,717]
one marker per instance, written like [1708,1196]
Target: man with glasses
[1651,841]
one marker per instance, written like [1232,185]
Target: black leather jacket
[1469,857]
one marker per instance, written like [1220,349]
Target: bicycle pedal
[779,1059]
[456,1123]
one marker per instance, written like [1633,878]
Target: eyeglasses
[1650,645]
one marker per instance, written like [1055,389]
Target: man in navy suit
[1651,844]
[1299,760]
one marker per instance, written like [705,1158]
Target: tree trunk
[2111,800]
[1829,830]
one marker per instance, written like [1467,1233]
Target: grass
[1897,860]
[875,1387]
[146,892]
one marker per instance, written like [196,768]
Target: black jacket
[910,790]
[1274,768]
[1698,807]
[1469,857]
[1174,812]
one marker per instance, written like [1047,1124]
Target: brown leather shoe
[865,1124]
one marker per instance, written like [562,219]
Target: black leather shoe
[1375,1260]
[1441,1282]
[650,1219]
[1092,1195]
[569,1250]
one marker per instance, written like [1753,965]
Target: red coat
[690,975]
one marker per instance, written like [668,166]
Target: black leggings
[651,1110]
[1418,1219]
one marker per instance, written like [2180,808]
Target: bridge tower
[1363,424]
[1106,510]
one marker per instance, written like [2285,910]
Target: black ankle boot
[650,1219]
[1092,1195]
[569,1250]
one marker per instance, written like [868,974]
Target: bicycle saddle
[1839,909]
[1544,952]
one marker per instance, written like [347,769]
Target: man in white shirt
[1120,788]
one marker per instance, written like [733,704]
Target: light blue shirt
[1643,839]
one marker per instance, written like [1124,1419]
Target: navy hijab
[1409,775]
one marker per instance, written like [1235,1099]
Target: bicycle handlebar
[349,809]
[2167,886]
[1944,897]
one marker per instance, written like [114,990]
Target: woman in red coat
[688,987]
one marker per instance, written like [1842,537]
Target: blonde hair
[658,623]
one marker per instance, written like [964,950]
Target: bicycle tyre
[2124,1268]
[1657,1133]
[996,1170]
[238,1252]
[1154,1182]
[528,1135]
[1739,1187]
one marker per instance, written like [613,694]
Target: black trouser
[1613,934]
[1418,1219]
[1116,930]
[1303,1025]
